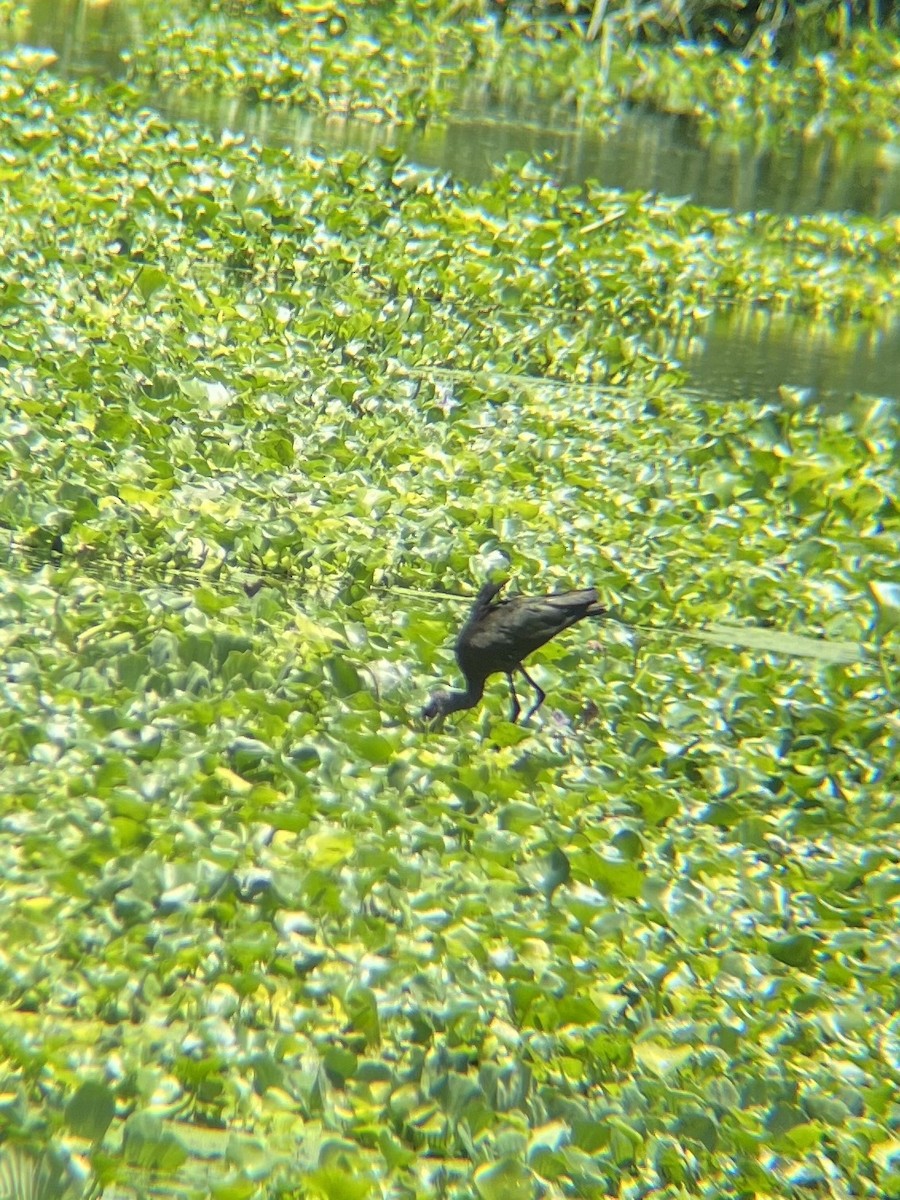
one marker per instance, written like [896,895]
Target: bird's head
[442,703]
[437,706]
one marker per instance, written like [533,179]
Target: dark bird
[500,633]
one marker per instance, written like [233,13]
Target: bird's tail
[580,604]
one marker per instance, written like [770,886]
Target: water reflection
[634,150]
[647,151]
[749,353]
[87,35]
[643,151]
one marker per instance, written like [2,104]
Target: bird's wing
[510,632]
[515,628]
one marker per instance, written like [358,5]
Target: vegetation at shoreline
[265,419]
[411,63]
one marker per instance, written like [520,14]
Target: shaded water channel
[731,354]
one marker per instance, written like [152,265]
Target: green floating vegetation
[414,62]
[261,931]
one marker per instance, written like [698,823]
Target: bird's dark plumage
[499,634]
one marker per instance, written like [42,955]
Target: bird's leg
[541,694]
[516,709]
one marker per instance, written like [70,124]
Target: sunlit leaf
[90,1111]
[504,1180]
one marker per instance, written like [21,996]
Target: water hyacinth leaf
[884,886]
[343,675]
[339,1183]
[90,1111]
[235,1188]
[827,1110]
[795,950]
[669,1160]
[329,848]
[371,747]
[507,1179]
[132,668]
[782,1118]
[247,753]
[661,1059]
[887,1154]
[305,756]
[504,734]
[148,1144]
[699,1127]
[240,665]
[362,1013]
[149,281]
[625,1143]
[210,602]
[137,743]
[628,844]
[612,874]
[550,1137]
[237,516]
[340,1064]
[393,1152]
[887,601]
[558,871]
[518,816]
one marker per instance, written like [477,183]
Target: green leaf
[150,280]
[507,1179]
[336,1183]
[147,1144]
[90,1111]
[887,603]
[612,875]
[340,1064]
[660,1058]
[558,871]
[782,1118]
[370,746]
[795,950]
[329,848]
[344,676]
[699,1127]
[505,734]
[362,1013]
